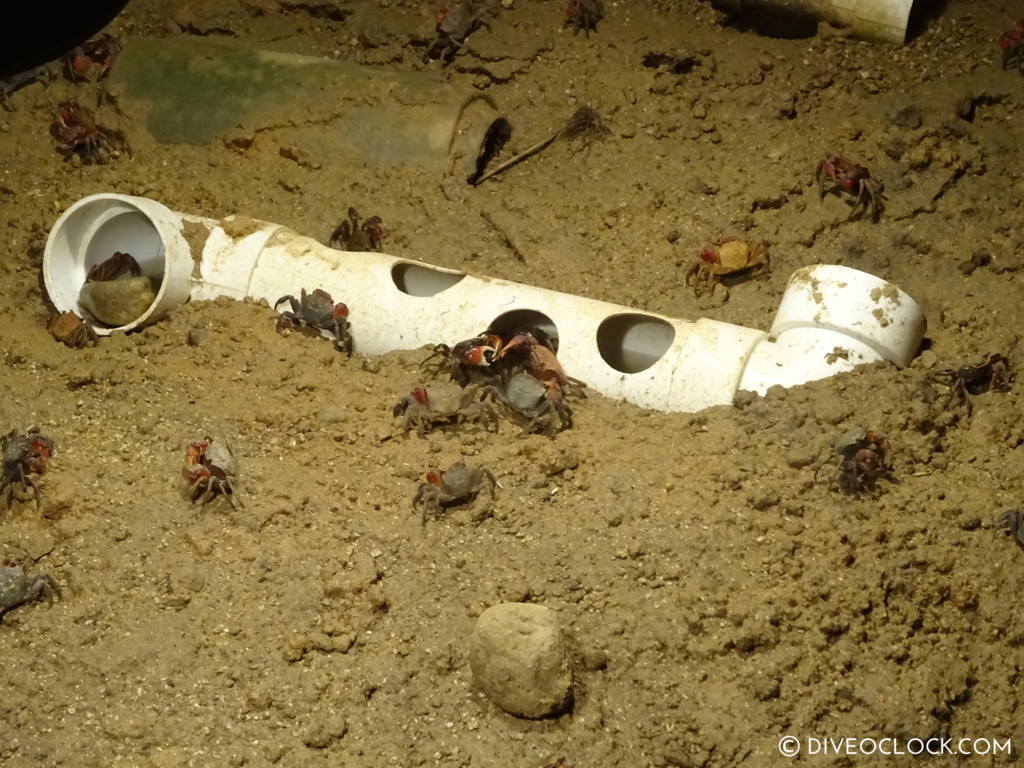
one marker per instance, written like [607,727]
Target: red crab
[76,127]
[846,176]
[583,14]
[1012,45]
[99,54]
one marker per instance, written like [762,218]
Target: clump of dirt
[715,588]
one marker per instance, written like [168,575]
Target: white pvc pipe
[831,319]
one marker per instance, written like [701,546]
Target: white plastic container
[831,319]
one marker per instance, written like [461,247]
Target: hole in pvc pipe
[418,280]
[510,323]
[633,343]
[131,232]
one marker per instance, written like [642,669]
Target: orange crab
[730,256]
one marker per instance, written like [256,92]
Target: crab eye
[340,310]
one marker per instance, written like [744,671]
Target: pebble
[519,660]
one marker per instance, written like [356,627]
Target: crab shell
[734,255]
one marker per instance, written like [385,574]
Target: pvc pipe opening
[519,319]
[418,280]
[93,230]
[632,343]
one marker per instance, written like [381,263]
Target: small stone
[519,660]
[800,455]
[324,731]
[907,117]
[928,359]
[118,302]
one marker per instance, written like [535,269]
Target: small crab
[23,455]
[443,403]
[113,268]
[864,457]
[211,470]
[76,127]
[1013,522]
[730,256]
[318,310]
[993,374]
[18,588]
[454,486]
[535,400]
[468,359]
[583,14]
[72,330]
[97,54]
[837,173]
[10,84]
[455,22]
[351,235]
[1012,44]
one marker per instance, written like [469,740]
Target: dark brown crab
[467,360]
[839,174]
[23,455]
[92,57]
[1011,43]
[18,588]
[71,330]
[964,383]
[456,21]
[76,128]
[455,485]
[864,458]
[353,235]
[583,14]
[317,310]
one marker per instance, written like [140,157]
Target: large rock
[519,660]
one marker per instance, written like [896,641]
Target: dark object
[23,455]
[584,125]
[318,310]
[964,383]
[18,588]
[1012,44]
[677,65]
[71,330]
[455,485]
[864,458]
[36,34]
[583,14]
[838,173]
[76,127]
[211,470]
[351,235]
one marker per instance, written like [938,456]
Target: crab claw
[340,310]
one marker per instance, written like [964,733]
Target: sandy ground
[717,590]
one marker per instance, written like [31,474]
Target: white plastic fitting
[831,319]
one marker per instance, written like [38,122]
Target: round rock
[519,660]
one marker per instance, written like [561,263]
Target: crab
[23,455]
[730,256]
[837,173]
[76,127]
[864,457]
[351,235]
[1012,44]
[993,374]
[443,403]
[535,400]
[10,84]
[455,22]
[72,330]
[18,588]
[211,470]
[468,359]
[583,14]
[455,485]
[113,268]
[98,54]
[318,310]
